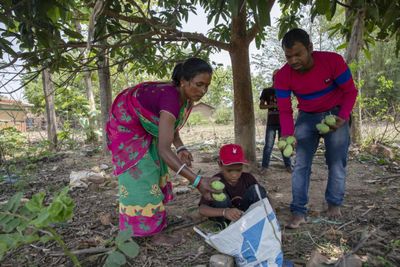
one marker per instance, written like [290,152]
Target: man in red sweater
[322,84]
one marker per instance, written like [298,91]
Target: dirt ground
[369,227]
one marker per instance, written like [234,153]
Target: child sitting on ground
[239,188]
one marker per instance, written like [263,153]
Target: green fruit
[281,144]
[322,128]
[217,185]
[290,140]
[330,120]
[288,151]
[219,197]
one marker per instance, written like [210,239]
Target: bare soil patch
[372,208]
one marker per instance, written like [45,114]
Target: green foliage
[197,118]
[383,103]
[21,223]
[380,20]
[38,27]
[33,221]
[124,247]
[11,142]
[221,88]
[223,115]
[258,13]
[70,101]
[65,137]
[380,110]
[91,134]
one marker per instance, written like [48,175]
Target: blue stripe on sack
[282,93]
[317,94]
[344,77]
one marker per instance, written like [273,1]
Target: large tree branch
[198,37]
[163,27]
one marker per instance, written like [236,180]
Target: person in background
[239,188]
[268,101]
[323,84]
[144,122]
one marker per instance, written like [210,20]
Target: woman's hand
[205,187]
[233,214]
[186,157]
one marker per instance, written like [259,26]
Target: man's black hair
[295,35]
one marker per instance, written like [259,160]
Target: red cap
[231,154]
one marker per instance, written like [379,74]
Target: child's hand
[233,214]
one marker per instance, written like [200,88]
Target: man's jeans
[336,148]
[270,134]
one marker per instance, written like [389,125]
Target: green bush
[12,142]
[196,118]
[23,223]
[223,115]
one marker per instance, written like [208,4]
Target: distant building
[14,114]
[204,109]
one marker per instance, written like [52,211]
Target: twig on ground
[365,213]
[83,251]
[357,247]
[390,177]
[352,221]
[45,250]
[185,226]
[312,239]
[276,157]
[344,225]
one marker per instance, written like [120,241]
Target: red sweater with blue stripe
[327,84]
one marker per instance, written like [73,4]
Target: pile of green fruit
[217,185]
[286,145]
[326,124]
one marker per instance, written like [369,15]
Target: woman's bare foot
[333,212]
[295,221]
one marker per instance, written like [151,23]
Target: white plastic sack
[253,240]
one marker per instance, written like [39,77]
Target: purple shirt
[156,99]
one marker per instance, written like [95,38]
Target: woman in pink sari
[144,122]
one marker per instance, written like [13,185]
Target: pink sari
[144,186]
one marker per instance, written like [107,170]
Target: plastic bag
[253,240]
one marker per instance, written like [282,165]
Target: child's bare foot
[333,212]
[296,221]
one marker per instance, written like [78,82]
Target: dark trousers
[249,198]
[270,134]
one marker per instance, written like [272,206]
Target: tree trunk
[356,38]
[105,93]
[354,46]
[50,109]
[243,95]
[90,135]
